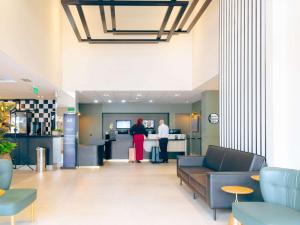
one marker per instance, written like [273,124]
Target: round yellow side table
[236,190]
[2,192]
[255,177]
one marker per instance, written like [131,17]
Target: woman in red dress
[138,131]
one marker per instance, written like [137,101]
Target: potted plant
[57,132]
[6,147]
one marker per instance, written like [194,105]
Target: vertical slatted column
[243,75]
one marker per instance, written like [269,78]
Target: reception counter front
[119,147]
[177,143]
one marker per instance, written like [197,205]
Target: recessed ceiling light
[106,95]
[176,95]
[137,98]
[150,101]
[123,101]
[96,101]
[109,101]
[7,81]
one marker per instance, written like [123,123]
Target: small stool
[2,192]
[255,177]
[236,190]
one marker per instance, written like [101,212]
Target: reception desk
[119,147]
[177,143]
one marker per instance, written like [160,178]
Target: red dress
[138,140]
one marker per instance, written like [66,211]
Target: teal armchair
[14,200]
[281,192]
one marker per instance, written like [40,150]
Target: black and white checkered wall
[43,111]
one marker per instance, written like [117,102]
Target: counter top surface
[151,139]
[32,136]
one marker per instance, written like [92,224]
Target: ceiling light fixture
[150,101]
[109,101]
[176,95]
[139,95]
[7,81]
[177,26]
[123,101]
[106,95]
[96,101]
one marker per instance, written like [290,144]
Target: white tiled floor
[116,194]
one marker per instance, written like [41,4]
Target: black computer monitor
[149,124]
[175,131]
[123,124]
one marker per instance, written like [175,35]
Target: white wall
[206,46]
[30,35]
[163,66]
[283,69]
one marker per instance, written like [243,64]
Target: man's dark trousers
[163,145]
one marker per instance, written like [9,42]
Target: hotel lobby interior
[149,112]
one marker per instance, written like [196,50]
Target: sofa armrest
[190,161]
[220,199]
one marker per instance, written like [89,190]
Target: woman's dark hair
[139,121]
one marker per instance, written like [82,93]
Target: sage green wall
[90,122]
[209,132]
[196,141]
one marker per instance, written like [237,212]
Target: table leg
[33,212]
[12,220]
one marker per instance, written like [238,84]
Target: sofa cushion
[200,179]
[235,160]
[15,200]
[199,183]
[258,163]
[214,157]
[262,213]
[195,170]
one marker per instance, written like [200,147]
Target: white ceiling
[168,97]
[20,89]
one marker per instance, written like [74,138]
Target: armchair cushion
[281,186]
[15,200]
[6,168]
[262,213]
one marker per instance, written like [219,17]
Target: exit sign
[35,90]
[71,109]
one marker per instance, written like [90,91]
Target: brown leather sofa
[205,175]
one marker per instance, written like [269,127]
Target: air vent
[26,80]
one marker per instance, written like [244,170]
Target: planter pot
[5,156]
[56,133]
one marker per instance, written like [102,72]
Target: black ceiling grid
[177,27]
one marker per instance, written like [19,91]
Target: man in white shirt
[163,134]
